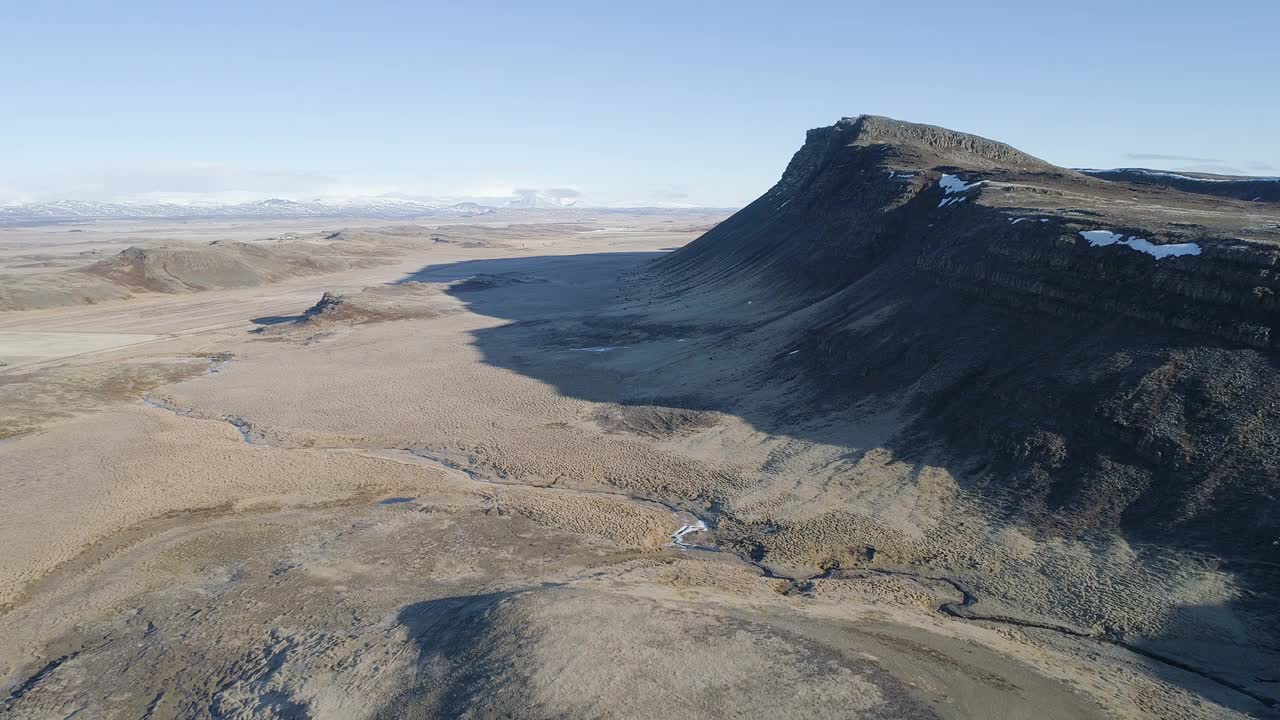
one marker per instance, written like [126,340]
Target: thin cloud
[1212,169]
[671,193]
[204,183]
[1172,158]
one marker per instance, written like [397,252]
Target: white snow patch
[677,537]
[951,201]
[1101,238]
[1162,251]
[592,349]
[1098,238]
[951,184]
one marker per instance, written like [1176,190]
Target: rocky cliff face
[1099,355]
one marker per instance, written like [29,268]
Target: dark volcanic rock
[1087,386]
[1253,189]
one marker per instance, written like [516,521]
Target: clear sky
[700,102]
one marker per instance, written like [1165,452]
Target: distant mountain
[539,201]
[274,208]
[380,208]
[1240,187]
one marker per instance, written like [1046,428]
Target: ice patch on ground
[677,537]
[951,184]
[1098,238]
[1163,251]
[1102,238]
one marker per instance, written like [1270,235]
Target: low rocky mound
[488,281]
[1089,363]
[380,303]
[658,421]
[331,305]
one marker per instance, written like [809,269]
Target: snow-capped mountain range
[276,208]
[381,208]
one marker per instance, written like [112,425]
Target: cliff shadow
[458,666]
[580,323]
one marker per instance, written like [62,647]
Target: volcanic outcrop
[382,303]
[1094,355]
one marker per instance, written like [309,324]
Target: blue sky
[683,102]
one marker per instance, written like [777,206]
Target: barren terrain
[501,471]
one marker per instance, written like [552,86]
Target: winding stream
[960,610]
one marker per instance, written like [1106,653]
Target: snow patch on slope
[951,184]
[1102,238]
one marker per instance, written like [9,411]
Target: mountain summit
[932,144]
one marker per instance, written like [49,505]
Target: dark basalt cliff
[1129,383]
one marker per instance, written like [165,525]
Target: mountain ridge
[271,208]
[1239,187]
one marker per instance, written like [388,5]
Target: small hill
[380,303]
[179,267]
[209,267]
